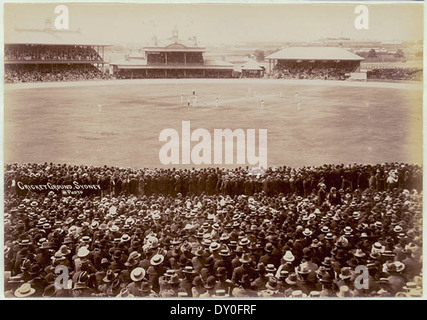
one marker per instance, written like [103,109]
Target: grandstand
[50,55]
[252,69]
[174,58]
[327,63]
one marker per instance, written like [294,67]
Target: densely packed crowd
[284,232]
[312,70]
[411,74]
[194,58]
[50,52]
[175,58]
[178,74]
[75,72]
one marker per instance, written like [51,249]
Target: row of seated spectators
[31,73]
[194,57]
[156,58]
[312,70]
[141,74]
[175,58]
[411,74]
[46,52]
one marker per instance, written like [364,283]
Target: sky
[217,24]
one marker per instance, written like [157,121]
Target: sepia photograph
[212,151]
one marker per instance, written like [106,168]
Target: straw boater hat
[244,242]
[298,294]
[220,293]
[270,268]
[307,232]
[329,236]
[189,270]
[411,286]
[157,259]
[225,252]
[214,246]
[25,290]
[325,229]
[395,266]
[85,239]
[137,274]
[377,247]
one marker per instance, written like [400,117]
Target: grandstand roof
[314,53]
[251,65]
[50,37]
[175,46]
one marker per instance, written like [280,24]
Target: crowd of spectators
[408,74]
[156,58]
[331,70]
[312,70]
[177,74]
[194,58]
[175,58]
[213,232]
[43,73]
[50,52]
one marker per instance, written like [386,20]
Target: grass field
[335,123]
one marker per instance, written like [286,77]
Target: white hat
[137,274]
[24,290]
[289,257]
[83,252]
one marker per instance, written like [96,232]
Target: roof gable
[176,45]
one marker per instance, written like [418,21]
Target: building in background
[328,63]
[45,53]
[173,58]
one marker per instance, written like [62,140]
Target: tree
[372,53]
[259,55]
